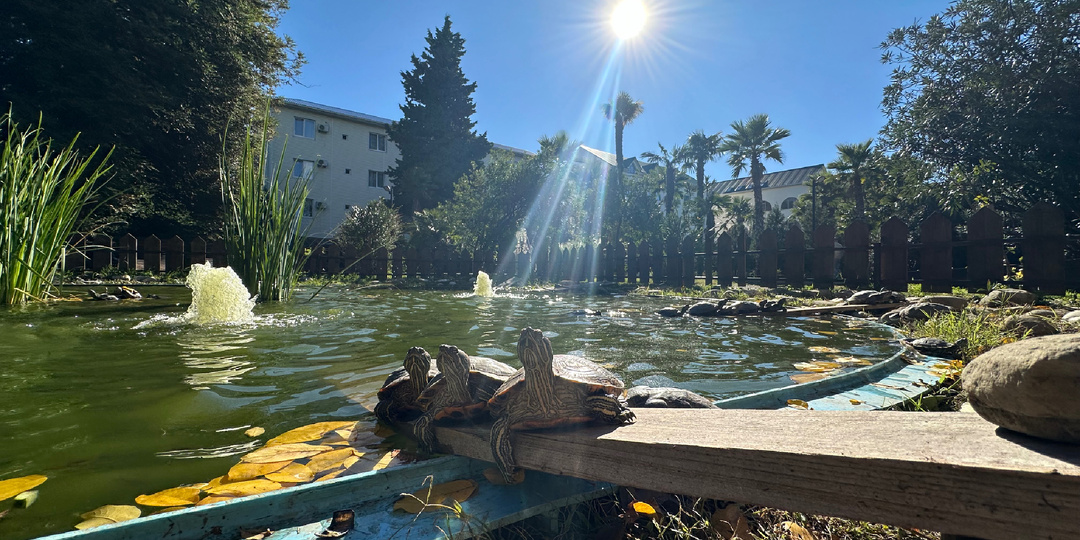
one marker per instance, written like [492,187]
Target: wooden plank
[1044,249]
[935,253]
[950,472]
[856,264]
[894,254]
[724,271]
[986,251]
[795,256]
[767,260]
[824,263]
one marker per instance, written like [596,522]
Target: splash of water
[217,296]
[483,285]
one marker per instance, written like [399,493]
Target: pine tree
[435,136]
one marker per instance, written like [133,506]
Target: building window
[304,127]
[309,207]
[376,179]
[788,203]
[347,171]
[302,168]
[344,137]
[767,206]
[376,141]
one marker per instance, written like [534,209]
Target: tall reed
[42,193]
[263,237]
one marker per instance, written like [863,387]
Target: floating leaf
[644,508]
[798,404]
[14,486]
[255,432]
[214,483]
[880,339]
[424,499]
[26,498]
[114,512]
[799,378]
[248,487]
[855,402]
[851,361]
[820,349]
[166,510]
[495,476]
[295,472]
[93,522]
[826,332]
[284,452]
[180,496]
[251,471]
[331,475]
[311,432]
[214,499]
[817,366]
[384,462]
[350,461]
[330,460]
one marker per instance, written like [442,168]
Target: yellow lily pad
[179,496]
[425,499]
[311,432]
[247,487]
[14,486]
[294,472]
[251,471]
[284,452]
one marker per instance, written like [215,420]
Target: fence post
[935,253]
[723,260]
[824,265]
[396,263]
[607,262]
[631,263]
[100,249]
[127,251]
[856,266]
[742,245]
[767,258]
[151,254]
[672,262]
[1044,249]
[215,251]
[795,256]
[174,253]
[644,262]
[687,254]
[197,250]
[894,254]
[707,261]
[620,262]
[986,249]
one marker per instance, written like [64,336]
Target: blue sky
[545,66]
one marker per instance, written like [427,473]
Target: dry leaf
[295,472]
[798,404]
[251,471]
[800,378]
[730,523]
[311,432]
[855,402]
[93,522]
[820,349]
[255,432]
[14,486]
[384,461]
[817,366]
[330,460]
[214,483]
[248,487]
[166,510]
[284,452]
[114,512]
[180,496]
[424,499]
[213,499]
[826,332]
[851,361]
[342,522]
[643,508]
[798,532]
[331,475]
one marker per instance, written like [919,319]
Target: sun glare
[628,19]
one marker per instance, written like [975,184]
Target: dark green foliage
[158,79]
[370,228]
[992,86]
[435,136]
[748,146]
[623,111]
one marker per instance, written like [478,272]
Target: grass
[263,234]
[42,194]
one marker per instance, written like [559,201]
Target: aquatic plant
[42,194]
[264,241]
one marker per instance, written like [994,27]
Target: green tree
[370,228]
[669,161]
[435,134]
[699,150]
[158,80]
[623,111]
[750,143]
[852,162]
[991,87]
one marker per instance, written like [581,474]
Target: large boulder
[1008,297]
[1072,317]
[666,397]
[957,303]
[1028,325]
[1031,386]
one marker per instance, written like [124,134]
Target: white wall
[774,196]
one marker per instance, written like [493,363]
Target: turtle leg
[501,450]
[424,431]
[609,409]
[382,412]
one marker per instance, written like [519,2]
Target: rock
[1072,317]
[1008,297]
[666,397]
[1028,325]
[957,303]
[915,312]
[1047,314]
[1031,386]
[703,309]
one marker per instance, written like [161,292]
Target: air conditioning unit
[323,127]
[322,164]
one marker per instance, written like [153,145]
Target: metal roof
[790,177]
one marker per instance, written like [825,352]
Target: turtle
[884,296]
[551,391]
[704,309]
[932,346]
[666,397]
[740,307]
[460,391]
[397,397]
[127,293]
[671,311]
[773,306]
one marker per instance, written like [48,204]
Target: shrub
[370,228]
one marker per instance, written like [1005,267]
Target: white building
[345,154]
[780,188]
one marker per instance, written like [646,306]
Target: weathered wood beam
[949,472]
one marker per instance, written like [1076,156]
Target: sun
[628,19]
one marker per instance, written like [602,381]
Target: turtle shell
[567,367]
[861,297]
[397,398]
[486,375]
[396,384]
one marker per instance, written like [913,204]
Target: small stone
[670,398]
[1031,386]
[1028,325]
[1008,297]
[1072,317]
[956,303]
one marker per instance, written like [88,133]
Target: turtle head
[417,363]
[534,351]
[454,365]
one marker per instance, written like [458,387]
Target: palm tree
[852,161]
[750,143]
[699,150]
[623,111]
[669,159]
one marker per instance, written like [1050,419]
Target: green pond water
[109,411]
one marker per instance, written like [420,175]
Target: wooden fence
[943,257]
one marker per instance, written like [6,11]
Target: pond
[109,411]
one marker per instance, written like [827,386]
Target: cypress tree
[435,135]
